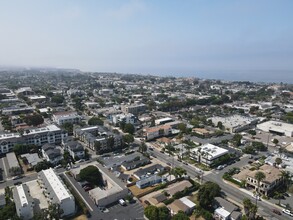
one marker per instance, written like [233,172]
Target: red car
[276,211]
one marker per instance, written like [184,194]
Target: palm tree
[259,176]
[278,195]
[286,176]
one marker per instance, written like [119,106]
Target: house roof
[228,206]
[178,187]
[177,206]
[150,169]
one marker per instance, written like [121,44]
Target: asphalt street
[265,208]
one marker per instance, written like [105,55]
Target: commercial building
[276,127]
[207,154]
[159,131]
[24,203]
[134,109]
[236,123]
[37,98]
[61,118]
[24,91]
[106,92]
[56,192]
[273,179]
[162,121]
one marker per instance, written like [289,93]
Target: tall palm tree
[259,176]
[286,176]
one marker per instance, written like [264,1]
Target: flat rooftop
[56,184]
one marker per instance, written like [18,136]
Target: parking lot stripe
[78,192]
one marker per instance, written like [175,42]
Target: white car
[256,197]
[288,212]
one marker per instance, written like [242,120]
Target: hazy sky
[151,36]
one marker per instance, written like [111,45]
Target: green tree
[58,99]
[237,139]
[182,127]
[250,209]
[43,165]
[178,172]
[157,213]
[278,161]
[259,176]
[128,138]
[15,170]
[207,192]
[54,211]
[143,147]
[129,128]
[180,216]
[68,127]
[92,174]
[34,119]
[275,141]
[252,132]
[220,125]
[95,121]
[286,176]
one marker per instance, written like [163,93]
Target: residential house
[52,153]
[225,210]
[75,149]
[149,181]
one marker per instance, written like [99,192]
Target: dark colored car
[276,211]
[17,183]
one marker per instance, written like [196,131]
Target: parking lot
[130,211]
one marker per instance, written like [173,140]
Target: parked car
[276,211]
[16,177]
[17,183]
[288,212]
[87,188]
[256,197]
[122,202]
[169,164]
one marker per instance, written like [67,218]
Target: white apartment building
[56,192]
[24,203]
[207,153]
[126,118]
[61,118]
